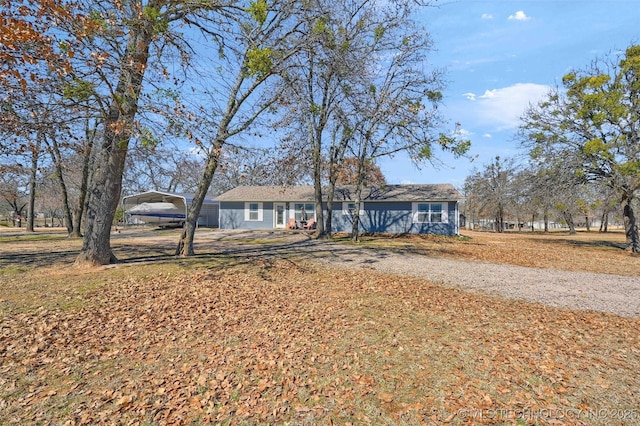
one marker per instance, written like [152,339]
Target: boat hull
[158,213]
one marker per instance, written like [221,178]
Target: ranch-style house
[397,209]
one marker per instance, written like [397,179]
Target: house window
[435,215]
[348,209]
[304,211]
[422,215]
[429,213]
[253,211]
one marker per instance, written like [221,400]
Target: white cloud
[488,94]
[487,16]
[470,96]
[487,136]
[519,16]
[502,108]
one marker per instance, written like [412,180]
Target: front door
[279,212]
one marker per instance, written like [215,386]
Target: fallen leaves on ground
[274,342]
[585,251]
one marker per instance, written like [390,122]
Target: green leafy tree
[46,48]
[592,124]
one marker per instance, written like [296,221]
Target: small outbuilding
[168,209]
[397,209]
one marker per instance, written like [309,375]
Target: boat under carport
[168,209]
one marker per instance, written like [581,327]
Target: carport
[209,213]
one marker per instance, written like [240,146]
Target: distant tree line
[507,196]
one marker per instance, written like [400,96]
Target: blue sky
[500,55]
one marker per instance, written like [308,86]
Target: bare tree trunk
[604,222]
[360,181]
[336,156]
[185,245]
[331,190]
[546,221]
[32,186]
[54,149]
[587,224]
[630,223]
[568,217]
[355,229]
[107,178]
[315,130]
[500,219]
[103,202]
[80,208]
[317,184]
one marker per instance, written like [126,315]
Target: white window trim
[247,212]
[444,206]
[292,210]
[345,208]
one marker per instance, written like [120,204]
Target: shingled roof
[425,192]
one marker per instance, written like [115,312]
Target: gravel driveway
[565,289]
[574,290]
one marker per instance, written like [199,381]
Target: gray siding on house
[395,218]
[388,209]
[267,215]
[378,217]
[209,215]
[232,216]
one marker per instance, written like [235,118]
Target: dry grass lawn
[584,251]
[232,340]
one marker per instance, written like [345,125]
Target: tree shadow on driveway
[146,247]
[248,246]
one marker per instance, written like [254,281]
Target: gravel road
[565,289]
